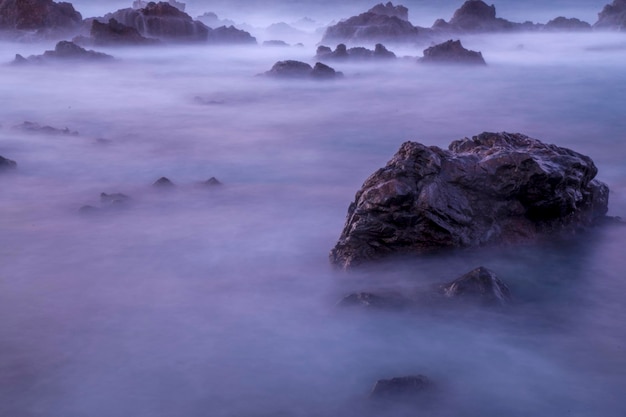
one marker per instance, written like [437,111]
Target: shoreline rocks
[291,69]
[452,52]
[494,188]
[63,51]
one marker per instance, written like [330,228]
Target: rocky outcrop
[115,33]
[7,164]
[358,53]
[63,51]
[451,52]
[297,69]
[475,16]
[495,188]
[612,16]
[38,15]
[479,284]
[401,388]
[370,27]
[230,35]
[163,182]
[140,4]
[213,21]
[32,127]
[564,24]
[390,10]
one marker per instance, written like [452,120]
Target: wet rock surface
[480,284]
[451,52]
[494,188]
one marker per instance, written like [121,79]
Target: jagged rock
[401,388]
[379,300]
[451,52]
[163,182]
[213,21]
[390,10]
[355,54]
[212,182]
[372,27]
[298,69]
[477,16]
[495,188]
[140,4]
[115,33]
[612,16]
[564,24]
[480,283]
[274,42]
[32,127]
[230,34]
[6,164]
[38,15]
[63,51]
[161,20]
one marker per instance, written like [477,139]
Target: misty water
[220,301]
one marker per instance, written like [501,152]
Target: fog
[220,301]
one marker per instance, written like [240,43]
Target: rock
[115,33]
[477,16]
[213,21]
[298,69]
[163,182]
[275,43]
[140,4]
[381,300]
[88,209]
[563,24]
[451,52]
[372,27]
[401,388]
[64,51]
[230,35]
[7,164]
[390,10]
[38,15]
[32,127]
[161,20]
[212,182]
[480,283]
[495,188]
[612,16]
[113,199]
[354,54]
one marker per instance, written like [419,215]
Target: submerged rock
[612,16]
[32,127]
[401,388]
[64,51]
[7,164]
[479,284]
[452,52]
[297,69]
[113,198]
[495,188]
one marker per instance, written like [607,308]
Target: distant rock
[163,182]
[563,24]
[390,10]
[479,284]
[355,54]
[475,16]
[213,21]
[275,43]
[7,164]
[140,4]
[495,188]
[230,35]
[113,198]
[283,30]
[405,388]
[211,182]
[297,69]
[64,51]
[451,52]
[376,300]
[32,127]
[115,33]
[612,16]
[44,16]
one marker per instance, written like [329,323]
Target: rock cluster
[495,188]
[297,69]
[63,51]
[358,53]
[390,10]
[451,52]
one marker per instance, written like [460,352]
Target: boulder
[38,15]
[479,284]
[451,52]
[7,164]
[612,16]
[390,10]
[401,388]
[298,69]
[495,188]
[116,33]
[63,51]
[563,24]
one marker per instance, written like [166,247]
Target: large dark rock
[401,388]
[390,10]
[38,15]
[63,51]
[298,69]
[6,164]
[479,284]
[451,52]
[116,33]
[230,35]
[477,16]
[495,188]
[612,16]
[372,27]
[358,53]
[563,24]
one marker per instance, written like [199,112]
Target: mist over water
[220,301]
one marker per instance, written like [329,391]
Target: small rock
[401,388]
[451,52]
[480,283]
[113,198]
[212,182]
[6,164]
[386,300]
[33,127]
[163,182]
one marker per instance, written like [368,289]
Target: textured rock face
[480,283]
[564,24]
[38,14]
[493,188]
[452,52]
[477,16]
[612,16]
[390,10]
[115,33]
[63,51]
[371,27]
